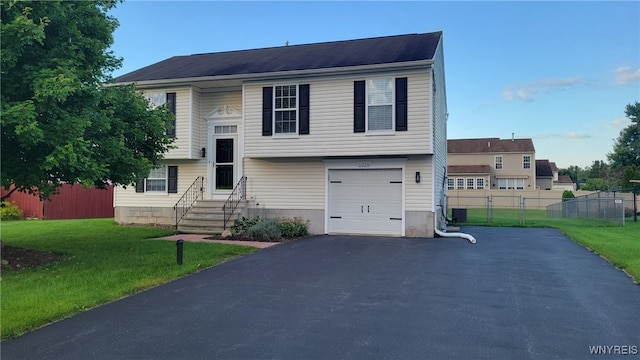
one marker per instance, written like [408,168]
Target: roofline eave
[354,70]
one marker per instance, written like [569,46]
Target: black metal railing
[193,193]
[238,194]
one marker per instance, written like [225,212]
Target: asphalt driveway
[516,294]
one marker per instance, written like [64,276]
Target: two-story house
[491,163]
[350,135]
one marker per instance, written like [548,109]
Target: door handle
[367,208]
[361,208]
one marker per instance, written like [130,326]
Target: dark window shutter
[172,180]
[303,109]
[140,184]
[358,106]
[267,110]
[401,104]
[171,104]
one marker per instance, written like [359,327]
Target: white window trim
[525,168]
[166,183]
[297,110]
[466,183]
[495,162]
[391,131]
[478,186]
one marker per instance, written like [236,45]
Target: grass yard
[620,245]
[101,262]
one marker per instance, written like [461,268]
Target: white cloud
[575,135]
[526,91]
[625,75]
[620,122]
[569,135]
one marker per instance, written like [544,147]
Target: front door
[224,164]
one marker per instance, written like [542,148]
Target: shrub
[242,225]
[10,211]
[567,195]
[293,228]
[265,230]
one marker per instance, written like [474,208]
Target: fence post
[523,210]
[489,209]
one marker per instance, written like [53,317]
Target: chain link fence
[600,208]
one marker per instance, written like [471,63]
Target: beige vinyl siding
[290,184]
[188,170]
[331,121]
[184,129]
[214,100]
[199,125]
[419,197]
[439,122]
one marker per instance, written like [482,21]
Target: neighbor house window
[470,183]
[526,161]
[460,184]
[286,109]
[511,184]
[479,183]
[498,162]
[450,184]
[161,179]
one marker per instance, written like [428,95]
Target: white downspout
[456,235]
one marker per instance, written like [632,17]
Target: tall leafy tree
[60,123]
[625,157]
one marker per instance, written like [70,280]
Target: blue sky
[560,73]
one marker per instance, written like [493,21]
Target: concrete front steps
[206,217]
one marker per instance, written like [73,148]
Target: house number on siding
[364,164]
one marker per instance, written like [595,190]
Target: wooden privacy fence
[71,202]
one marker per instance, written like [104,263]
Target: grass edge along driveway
[102,262]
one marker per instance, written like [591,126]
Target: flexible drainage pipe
[456,235]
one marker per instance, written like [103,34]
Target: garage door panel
[365,201]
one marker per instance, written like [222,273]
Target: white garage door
[365,201]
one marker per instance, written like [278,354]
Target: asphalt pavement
[516,294]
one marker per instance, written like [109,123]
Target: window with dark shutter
[140,184]
[267,110]
[172,179]
[401,104]
[171,104]
[303,109]
[359,106]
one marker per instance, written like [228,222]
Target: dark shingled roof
[489,145]
[564,179]
[337,54]
[468,169]
[543,168]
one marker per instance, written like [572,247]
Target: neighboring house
[563,183]
[545,174]
[350,135]
[491,163]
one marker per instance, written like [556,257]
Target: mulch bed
[16,258]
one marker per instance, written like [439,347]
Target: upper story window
[285,110]
[498,162]
[380,104]
[160,98]
[526,161]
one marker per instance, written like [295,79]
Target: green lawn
[620,245]
[102,262]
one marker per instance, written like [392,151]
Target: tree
[625,158]
[60,123]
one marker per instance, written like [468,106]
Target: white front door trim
[224,116]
